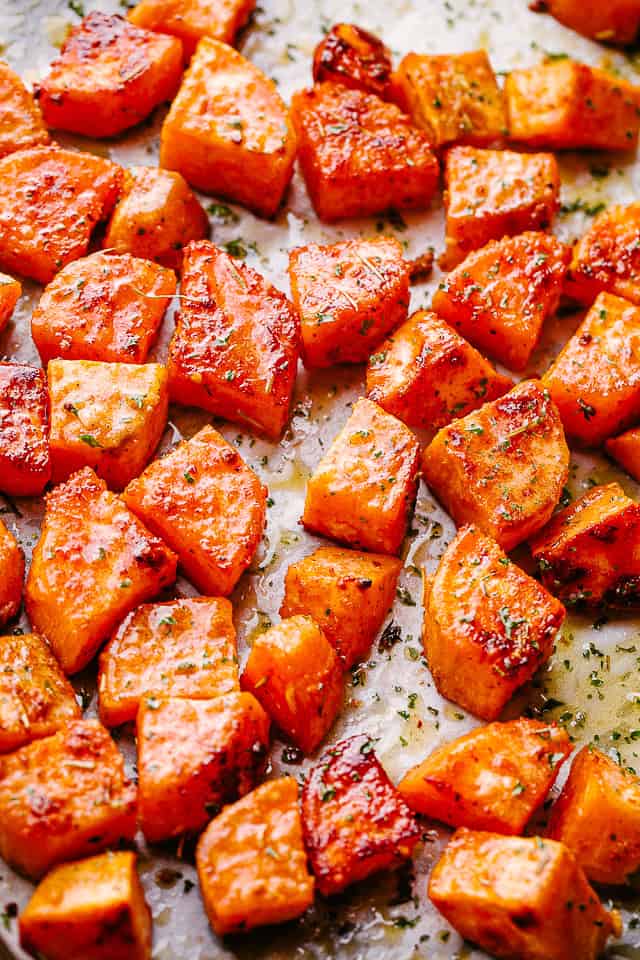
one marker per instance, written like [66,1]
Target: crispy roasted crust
[355,58]
[25,463]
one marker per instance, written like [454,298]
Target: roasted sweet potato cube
[235,348]
[355,58]
[50,202]
[348,295]
[228,131]
[490,194]
[21,124]
[207,504]
[354,820]
[63,797]
[564,105]
[347,593]
[156,216]
[363,490]
[520,897]
[190,20]
[360,155]
[487,626]
[626,450]
[425,374]
[454,98]
[104,307]
[93,563]
[11,577]
[194,756]
[500,296]
[251,862]
[493,778]
[109,76]
[25,465]
[616,21]
[185,648]
[607,257]
[89,910]
[10,290]
[597,816]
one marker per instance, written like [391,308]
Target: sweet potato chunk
[93,563]
[11,576]
[109,76]
[63,797]
[616,21]
[50,201]
[502,467]
[597,816]
[490,194]
[607,257]
[564,105]
[185,648]
[355,58]
[626,450]
[228,130]
[487,627]
[360,155]
[454,98]
[520,897]
[21,124]
[363,490]
[500,296]
[251,862]
[354,820]
[235,348]
[89,910]
[493,778]
[10,290]
[347,593]
[25,465]
[190,20]
[194,756]
[426,374]
[208,506]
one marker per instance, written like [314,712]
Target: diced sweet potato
[520,897]
[626,450]
[500,296]
[251,862]
[426,374]
[296,675]
[616,21]
[487,626]
[493,778]
[36,699]
[228,131]
[347,593]
[564,105]
[185,648]
[156,216]
[209,507]
[363,490]
[454,98]
[190,20]
[109,76]
[109,416]
[355,58]
[354,820]
[104,307]
[348,295]
[63,797]
[93,563]
[235,348]
[10,290]
[607,257]
[21,124]
[25,465]
[597,816]
[490,194]
[89,910]
[194,756]
[11,576]
[589,553]
[503,467]
[360,155]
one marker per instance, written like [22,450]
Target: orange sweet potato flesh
[11,575]
[355,58]
[607,257]
[617,21]
[190,20]
[25,465]
[625,449]
[10,290]
[21,124]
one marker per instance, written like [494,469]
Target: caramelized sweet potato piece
[251,862]
[616,21]
[235,348]
[11,576]
[10,290]
[360,155]
[355,58]
[228,130]
[500,296]
[354,820]
[190,20]
[493,778]
[89,910]
[363,490]
[520,897]
[626,450]
[208,506]
[93,563]
[21,124]
[607,257]
[25,465]
[487,626]
[63,797]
